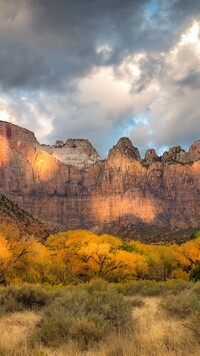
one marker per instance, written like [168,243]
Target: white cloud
[170,94]
[109,95]
[191,35]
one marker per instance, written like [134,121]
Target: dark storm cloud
[192,80]
[179,11]
[49,47]
[44,41]
[19,66]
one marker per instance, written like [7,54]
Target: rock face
[176,154]
[194,151]
[78,153]
[124,147]
[151,156]
[121,193]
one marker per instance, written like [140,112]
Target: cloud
[45,42]
[171,96]
[102,69]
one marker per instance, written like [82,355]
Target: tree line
[79,256]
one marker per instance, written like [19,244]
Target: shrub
[87,332]
[52,329]
[176,286]
[153,288]
[17,298]
[181,306]
[144,288]
[84,314]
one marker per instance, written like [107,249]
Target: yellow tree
[190,252]
[13,257]
[89,255]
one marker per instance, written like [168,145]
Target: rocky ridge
[120,194]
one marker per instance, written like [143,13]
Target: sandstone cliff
[120,194]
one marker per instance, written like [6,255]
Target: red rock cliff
[120,192]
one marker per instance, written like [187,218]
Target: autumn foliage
[79,256]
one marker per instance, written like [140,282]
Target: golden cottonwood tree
[89,255]
[13,257]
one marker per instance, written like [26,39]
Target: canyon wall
[69,184]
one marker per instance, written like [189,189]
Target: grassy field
[143,318]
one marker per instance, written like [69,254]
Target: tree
[13,256]
[89,255]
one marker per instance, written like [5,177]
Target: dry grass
[159,335]
[156,335]
[14,330]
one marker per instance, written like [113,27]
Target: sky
[101,70]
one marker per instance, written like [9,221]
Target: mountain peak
[125,146]
[151,156]
[176,154]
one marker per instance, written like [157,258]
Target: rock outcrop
[151,156]
[176,154]
[78,153]
[194,151]
[121,193]
[124,147]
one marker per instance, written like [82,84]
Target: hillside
[12,215]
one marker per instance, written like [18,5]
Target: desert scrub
[142,288]
[181,306]
[25,297]
[152,288]
[85,315]
[176,286]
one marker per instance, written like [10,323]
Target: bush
[182,305]
[18,298]
[52,329]
[142,288]
[176,286]
[84,314]
[152,288]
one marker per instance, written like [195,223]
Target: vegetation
[80,256]
[85,315]
[15,218]
[84,294]
[100,318]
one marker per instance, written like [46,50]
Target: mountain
[12,215]
[69,184]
